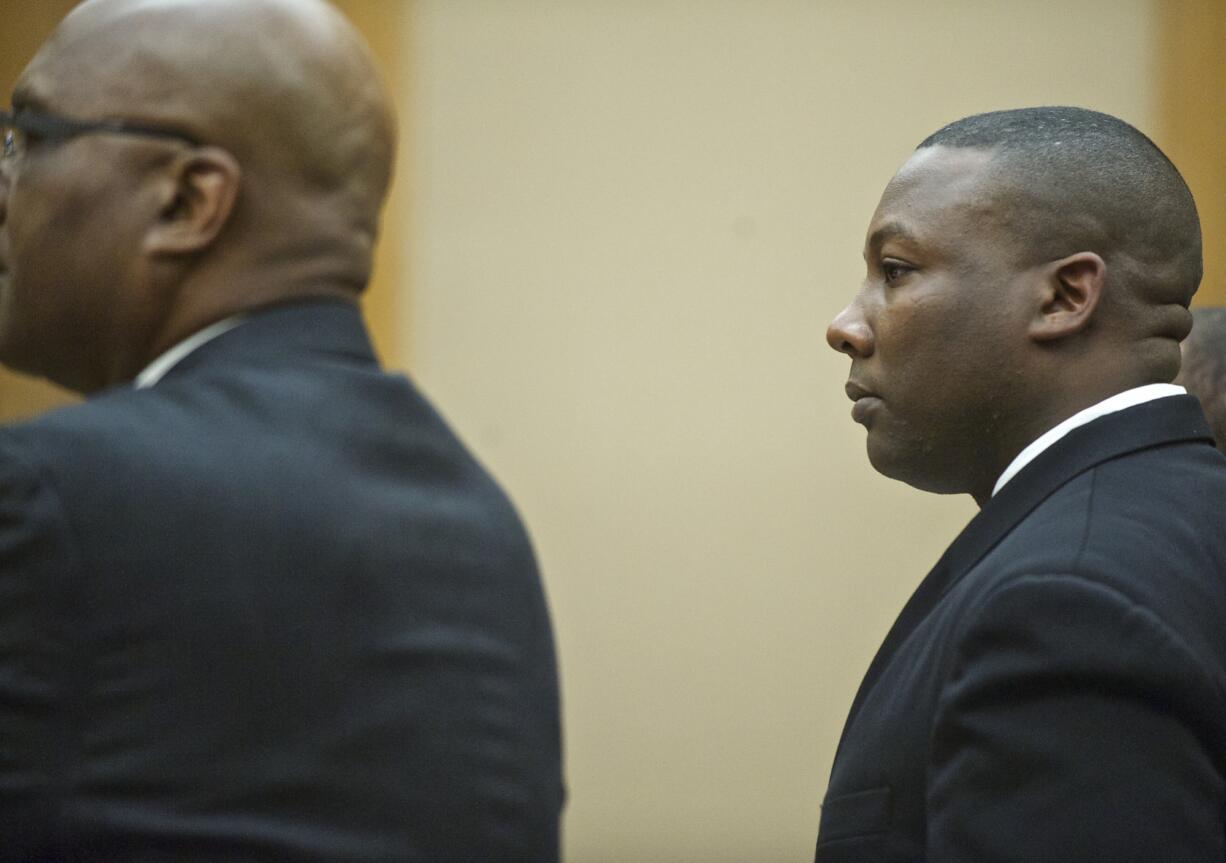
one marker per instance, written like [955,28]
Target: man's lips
[865,400]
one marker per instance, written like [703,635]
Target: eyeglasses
[21,127]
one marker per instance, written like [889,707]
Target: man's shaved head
[1080,180]
[267,190]
[1204,366]
[287,86]
[1072,180]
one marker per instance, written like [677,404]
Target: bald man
[1055,688]
[1204,366]
[256,601]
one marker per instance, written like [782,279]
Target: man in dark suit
[1055,689]
[1204,366]
[257,603]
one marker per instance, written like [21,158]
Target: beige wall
[631,222]
[388,301]
[1192,119]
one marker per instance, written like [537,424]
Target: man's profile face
[936,328]
[65,233]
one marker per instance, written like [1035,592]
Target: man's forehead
[34,91]
[26,95]
[934,185]
[50,74]
[94,75]
[98,50]
[938,173]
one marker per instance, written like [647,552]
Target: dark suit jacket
[269,610]
[1055,690]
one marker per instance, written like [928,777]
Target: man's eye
[893,271]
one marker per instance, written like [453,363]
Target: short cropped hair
[1079,180]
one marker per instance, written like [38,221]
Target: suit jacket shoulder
[299,621]
[1062,664]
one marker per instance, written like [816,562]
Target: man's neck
[1111,404]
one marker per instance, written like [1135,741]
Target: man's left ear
[1069,295]
[197,196]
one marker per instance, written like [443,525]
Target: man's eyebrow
[24,97]
[888,231]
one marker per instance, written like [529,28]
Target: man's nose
[849,333]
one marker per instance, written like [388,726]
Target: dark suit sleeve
[36,565]
[1075,726]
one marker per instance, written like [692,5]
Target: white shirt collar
[1117,402]
[153,372]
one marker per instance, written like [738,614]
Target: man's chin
[885,460]
[884,456]
[9,356]
[914,466]
[16,355]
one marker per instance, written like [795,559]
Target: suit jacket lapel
[1162,421]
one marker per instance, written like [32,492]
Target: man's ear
[197,196]
[1070,292]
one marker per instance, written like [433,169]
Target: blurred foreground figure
[1204,367]
[256,601]
[1055,689]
